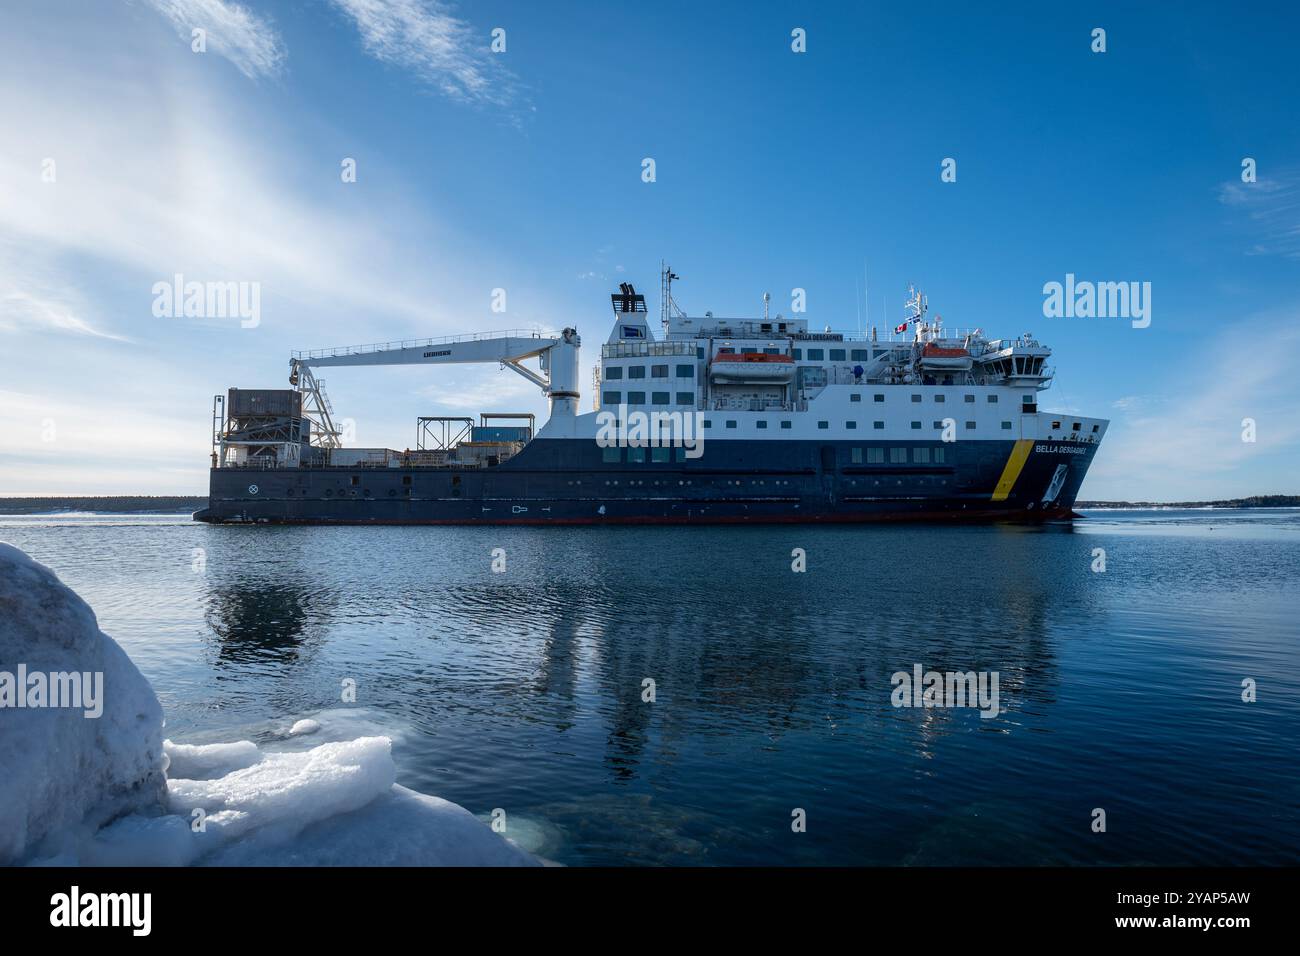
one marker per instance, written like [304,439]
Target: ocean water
[522,690]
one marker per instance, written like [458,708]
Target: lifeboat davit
[739,368]
[938,356]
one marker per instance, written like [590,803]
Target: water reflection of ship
[771,666]
[254,619]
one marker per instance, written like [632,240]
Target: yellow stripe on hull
[1015,464]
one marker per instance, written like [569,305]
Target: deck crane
[557,357]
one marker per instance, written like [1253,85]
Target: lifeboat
[940,357]
[740,368]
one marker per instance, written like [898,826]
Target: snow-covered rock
[59,768]
[108,791]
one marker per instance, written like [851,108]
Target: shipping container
[501,433]
[264,402]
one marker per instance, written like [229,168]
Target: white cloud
[444,51]
[233,31]
[1188,445]
[1271,208]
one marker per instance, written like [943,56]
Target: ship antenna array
[667,307]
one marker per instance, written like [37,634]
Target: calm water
[522,690]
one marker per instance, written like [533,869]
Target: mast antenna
[667,307]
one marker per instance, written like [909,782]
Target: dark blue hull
[570,482]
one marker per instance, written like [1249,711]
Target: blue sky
[522,171]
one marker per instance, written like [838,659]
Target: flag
[901,328]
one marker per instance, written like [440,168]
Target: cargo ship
[713,420]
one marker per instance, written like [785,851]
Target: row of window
[638,398]
[615,372]
[920,455]
[824,425]
[939,398]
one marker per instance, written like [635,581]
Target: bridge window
[837,355]
[685,398]
[858,355]
[636,371]
[636,398]
[686,371]
[611,398]
[659,398]
[658,371]
[771,351]
[613,372]
[816,355]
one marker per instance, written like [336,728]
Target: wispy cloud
[232,30]
[423,36]
[22,309]
[1188,444]
[1271,208]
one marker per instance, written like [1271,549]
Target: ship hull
[568,482]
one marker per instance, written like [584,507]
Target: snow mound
[191,762]
[63,770]
[106,790]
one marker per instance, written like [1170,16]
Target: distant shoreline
[123,504]
[185,504]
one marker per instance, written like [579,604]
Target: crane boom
[557,357]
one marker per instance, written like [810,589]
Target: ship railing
[423,343]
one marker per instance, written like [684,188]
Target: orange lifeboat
[938,356]
[745,367]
